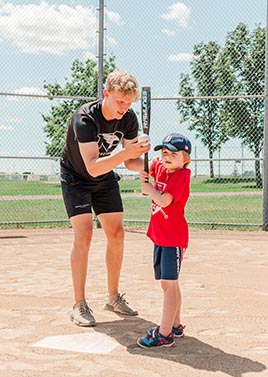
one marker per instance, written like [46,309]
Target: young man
[89,182]
[168,230]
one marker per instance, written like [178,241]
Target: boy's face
[115,104]
[172,160]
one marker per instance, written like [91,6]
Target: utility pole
[265,149]
[100,63]
[100,48]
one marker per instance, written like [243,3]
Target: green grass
[197,185]
[32,210]
[229,209]
[11,188]
[226,211]
[227,185]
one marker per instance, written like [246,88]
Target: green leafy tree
[203,115]
[241,71]
[237,69]
[83,83]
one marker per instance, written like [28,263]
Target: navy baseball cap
[175,143]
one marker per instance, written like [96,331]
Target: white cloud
[26,91]
[111,41]
[183,57]
[23,153]
[178,12]
[15,120]
[114,17]
[169,32]
[6,128]
[90,55]
[48,28]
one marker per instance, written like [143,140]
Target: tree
[84,83]
[241,71]
[237,69]
[203,114]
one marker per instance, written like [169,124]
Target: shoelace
[85,309]
[120,298]
[153,334]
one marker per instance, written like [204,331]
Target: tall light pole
[100,62]
[100,48]
[265,149]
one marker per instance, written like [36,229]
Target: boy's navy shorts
[80,198]
[167,262]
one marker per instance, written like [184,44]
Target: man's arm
[97,166]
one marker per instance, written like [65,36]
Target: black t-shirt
[88,124]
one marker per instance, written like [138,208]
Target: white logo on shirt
[109,141]
[155,207]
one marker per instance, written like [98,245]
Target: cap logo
[168,138]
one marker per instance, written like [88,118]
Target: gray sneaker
[81,315]
[119,305]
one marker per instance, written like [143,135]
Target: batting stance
[168,229]
[89,182]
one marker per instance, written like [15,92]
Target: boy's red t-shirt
[168,226]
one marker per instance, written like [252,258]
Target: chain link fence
[216,98]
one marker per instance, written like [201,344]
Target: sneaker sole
[81,324]
[178,336]
[152,347]
[111,309]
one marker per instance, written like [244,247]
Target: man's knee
[116,234]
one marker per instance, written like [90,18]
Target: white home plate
[87,343]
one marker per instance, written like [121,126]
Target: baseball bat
[146,118]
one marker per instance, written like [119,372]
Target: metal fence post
[100,63]
[265,149]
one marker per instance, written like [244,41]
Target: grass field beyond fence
[216,207]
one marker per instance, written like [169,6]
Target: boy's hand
[147,188]
[144,176]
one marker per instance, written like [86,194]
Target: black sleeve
[85,128]
[132,126]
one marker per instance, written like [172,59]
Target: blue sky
[153,39]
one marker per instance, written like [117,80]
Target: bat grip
[146,163]
[146,167]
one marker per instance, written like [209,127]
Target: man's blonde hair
[124,83]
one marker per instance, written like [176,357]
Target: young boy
[168,230]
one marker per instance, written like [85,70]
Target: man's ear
[105,93]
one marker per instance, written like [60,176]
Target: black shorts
[167,262]
[80,198]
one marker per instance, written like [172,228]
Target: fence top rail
[180,98]
[192,159]
[30,157]
[228,159]
[48,96]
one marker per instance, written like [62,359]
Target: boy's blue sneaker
[176,331]
[155,339]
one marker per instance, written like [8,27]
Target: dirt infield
[224,281]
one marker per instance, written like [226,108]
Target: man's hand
[136,150]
